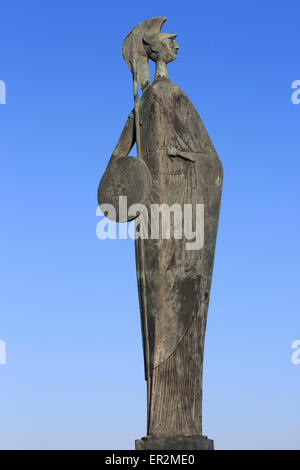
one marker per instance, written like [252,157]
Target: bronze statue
[176,164]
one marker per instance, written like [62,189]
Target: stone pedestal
[174,443]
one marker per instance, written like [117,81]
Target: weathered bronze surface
[128,177]
[173,282]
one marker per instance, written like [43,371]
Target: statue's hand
[174,152]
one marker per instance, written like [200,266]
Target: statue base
[174,443]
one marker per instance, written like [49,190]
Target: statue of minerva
[176,163]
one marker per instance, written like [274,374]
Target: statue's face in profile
[169,49]
[163,48]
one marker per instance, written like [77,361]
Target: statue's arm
[191,130]
[126,140]
[191,156]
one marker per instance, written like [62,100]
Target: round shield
[128,177]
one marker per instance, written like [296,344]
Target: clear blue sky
[68,305]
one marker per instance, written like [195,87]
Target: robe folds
[173,282]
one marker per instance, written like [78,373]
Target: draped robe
[173,282]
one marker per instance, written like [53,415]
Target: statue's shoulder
[162,86]
[163,90]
